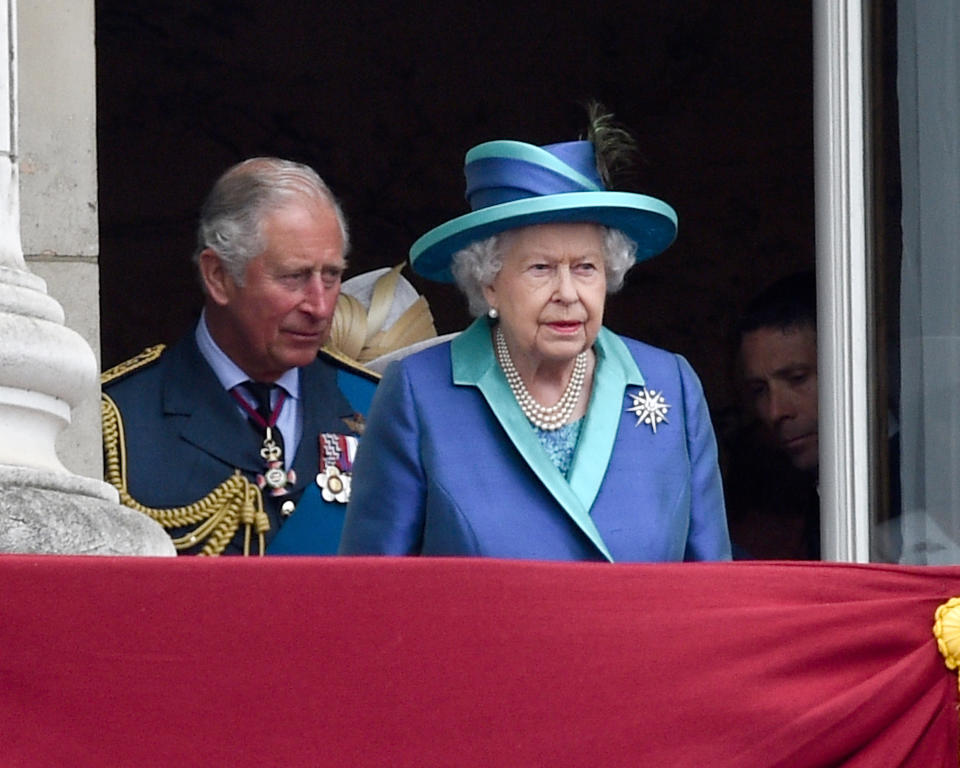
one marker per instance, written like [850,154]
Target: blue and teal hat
[512,184]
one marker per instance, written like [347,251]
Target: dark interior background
[383,99]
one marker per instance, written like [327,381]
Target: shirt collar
[228,372]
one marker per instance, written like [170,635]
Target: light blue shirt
[289,421]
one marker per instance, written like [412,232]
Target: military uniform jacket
[449,464]
[177,447]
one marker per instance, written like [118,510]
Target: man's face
[780,377]
[281,315]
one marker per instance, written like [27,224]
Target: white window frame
[844,331]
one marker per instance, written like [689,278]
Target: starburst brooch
[650,407]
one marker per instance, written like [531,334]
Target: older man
[240,438]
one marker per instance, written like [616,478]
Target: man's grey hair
[477,265]
[232,216]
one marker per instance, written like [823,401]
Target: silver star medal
[650,407]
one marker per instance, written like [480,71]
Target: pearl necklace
[551,417]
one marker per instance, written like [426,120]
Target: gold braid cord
[217,516]
[137,361]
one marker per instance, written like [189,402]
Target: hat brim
[650,222]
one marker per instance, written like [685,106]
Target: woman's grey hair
[477,265]
[231,219]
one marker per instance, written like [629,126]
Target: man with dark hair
[777,356]
[778,362]
[240,438]
[771,495]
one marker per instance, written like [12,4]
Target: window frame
[846,335]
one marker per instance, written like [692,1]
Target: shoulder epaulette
[340,360]
[138,361]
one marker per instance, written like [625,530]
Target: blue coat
[183,435]
[449,465]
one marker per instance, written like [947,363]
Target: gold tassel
[216,517]
[946,628]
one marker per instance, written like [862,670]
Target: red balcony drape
[436,662]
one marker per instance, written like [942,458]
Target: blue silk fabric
[449,465]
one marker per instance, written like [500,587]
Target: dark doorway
[383,99]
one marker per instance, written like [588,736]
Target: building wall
[58,184]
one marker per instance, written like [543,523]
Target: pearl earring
[492,313]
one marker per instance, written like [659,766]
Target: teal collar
[474,364]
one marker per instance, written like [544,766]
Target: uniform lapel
[191,389]
[213,421]
[616,369]
[474,364]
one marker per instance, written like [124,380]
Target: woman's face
[551,290]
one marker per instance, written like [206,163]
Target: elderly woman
[538,433]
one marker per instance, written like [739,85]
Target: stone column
[57,166]
[45,370]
